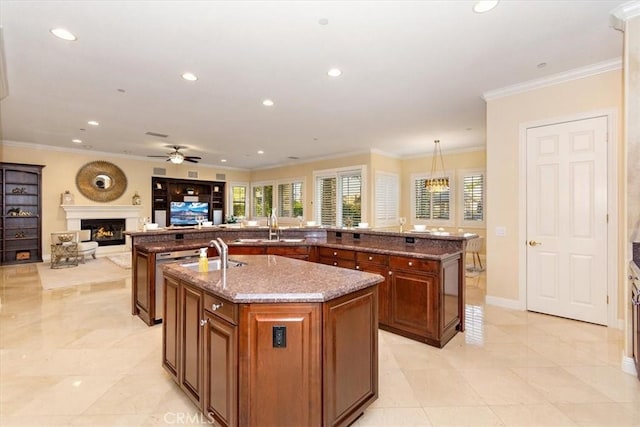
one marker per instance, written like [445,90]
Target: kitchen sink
[250,240]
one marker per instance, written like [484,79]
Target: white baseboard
[629,365]
[513,304]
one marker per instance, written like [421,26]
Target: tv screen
[185,213]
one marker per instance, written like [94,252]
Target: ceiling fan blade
[157,156]
[193,157]
[190,160]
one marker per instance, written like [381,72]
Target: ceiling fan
[177,157]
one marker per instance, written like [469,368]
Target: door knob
[534,243]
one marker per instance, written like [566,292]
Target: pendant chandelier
[437,182]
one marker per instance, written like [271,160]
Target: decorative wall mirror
[101,181]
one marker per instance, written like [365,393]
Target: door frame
[612,206]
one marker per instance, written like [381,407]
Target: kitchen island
[278,342]
[421,297]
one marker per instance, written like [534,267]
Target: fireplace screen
[106,232]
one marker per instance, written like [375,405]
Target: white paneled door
[567,219]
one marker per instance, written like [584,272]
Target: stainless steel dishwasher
[164,258]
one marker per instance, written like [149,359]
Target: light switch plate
[501,231]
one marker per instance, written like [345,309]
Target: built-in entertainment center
[184,202]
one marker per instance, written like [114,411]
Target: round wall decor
[101,181]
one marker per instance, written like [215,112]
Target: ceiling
[413,71]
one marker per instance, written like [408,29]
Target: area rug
[122,260]
[92,271]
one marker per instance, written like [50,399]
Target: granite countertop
[272,279]
[178,245]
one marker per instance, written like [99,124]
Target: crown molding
[554,79]
[621,14]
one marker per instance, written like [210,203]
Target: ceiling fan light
[176,158]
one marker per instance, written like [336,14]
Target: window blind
[387,191]
[239,200]
[473,196]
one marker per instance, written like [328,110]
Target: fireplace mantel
[75,213]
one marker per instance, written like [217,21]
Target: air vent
[294,157]
[159,135]
[159,171]
[193,174]
[221,176]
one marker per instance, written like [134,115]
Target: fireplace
[105,231]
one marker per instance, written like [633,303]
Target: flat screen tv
[185,213]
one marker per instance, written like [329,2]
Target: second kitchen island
[279,342]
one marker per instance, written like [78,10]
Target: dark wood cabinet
[337,257]
[170,326]
[376,263]
[144,301]
[21,213]
[167,190]
[191,338]
[224,357]
[424,298]
[220,361]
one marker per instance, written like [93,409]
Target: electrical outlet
[279,336]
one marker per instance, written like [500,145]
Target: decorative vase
[66,198]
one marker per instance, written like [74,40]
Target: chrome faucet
[223,251]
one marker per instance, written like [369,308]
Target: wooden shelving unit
[21,214]
[167,190]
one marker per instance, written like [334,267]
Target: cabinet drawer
[371,258]
[287,250]
[413,264]
[338,262]
[336,253]
[221,308]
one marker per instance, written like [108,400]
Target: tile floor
[76,356]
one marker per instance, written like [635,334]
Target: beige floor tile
[70,396]
[559,386]
[532,415]
[457,416]
[612,382]
[603,414]
[440,387]
[394,390]
[387,417]
[501,386]
[77,356]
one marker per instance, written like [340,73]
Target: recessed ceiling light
[223,160]
[334,72]
[260,152]
[77,141]
[323,21]
[63,34]
[267,103]
[93,123]
[190,77]
[484,6]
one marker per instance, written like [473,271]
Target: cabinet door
[170,327]
[191,341]
[280,373]
[384,291]
[247,250]
[220,371]
[414,303]
[143,303]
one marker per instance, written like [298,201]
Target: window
[472,198]
[432,207]
[338,196]
[387,199]
[239,200]
[262,197]
[290,201]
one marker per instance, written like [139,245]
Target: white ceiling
[413,71]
